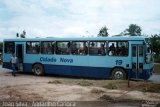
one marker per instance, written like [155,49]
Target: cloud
[72,18]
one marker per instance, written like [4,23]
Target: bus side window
[79,48]
[118,48]
[63,48]
[112,48]
[122,48]
[47,47]
[33,47]
[97,48]
[9,47]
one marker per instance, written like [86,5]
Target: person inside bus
[68,48]
[101,51]
[86,50]
[53,44]
[14,64]
[112,49]
[75,50]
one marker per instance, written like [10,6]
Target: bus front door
[137,61]
[19,53]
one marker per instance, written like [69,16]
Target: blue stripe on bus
[94,72]
[81,71]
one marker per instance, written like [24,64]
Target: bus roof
[117,38]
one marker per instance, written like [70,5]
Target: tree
[155,43]
[1,46]
[133,30]
[103,32]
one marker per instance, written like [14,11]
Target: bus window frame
[86,45]
[32,52]
[116,42]
[60,53]
[45,53]
[98,54]
[5,47]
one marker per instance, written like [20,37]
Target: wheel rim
[118,75]
[37,70]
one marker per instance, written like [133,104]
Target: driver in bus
[112,49]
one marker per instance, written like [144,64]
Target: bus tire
[38,69]
[118,74]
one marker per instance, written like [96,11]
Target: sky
[76,18]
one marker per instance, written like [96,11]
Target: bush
[157,58]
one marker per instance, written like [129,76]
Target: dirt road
[27,87]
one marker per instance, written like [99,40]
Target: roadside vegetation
[157,68]
[151,88]
[155,44]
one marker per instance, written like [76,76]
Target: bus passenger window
[63,48]
[47,47]
[9,47]
[32,47]
[79,48]
[112,48]
[118,48]
[97,48]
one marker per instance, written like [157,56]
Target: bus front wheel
[38,69]
[118,74]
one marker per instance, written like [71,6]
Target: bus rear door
[20,55]
[137,61]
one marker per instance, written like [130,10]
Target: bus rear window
[9,47]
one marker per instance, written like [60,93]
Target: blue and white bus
[98,57]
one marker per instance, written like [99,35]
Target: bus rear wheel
[118,74]
[38,69]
